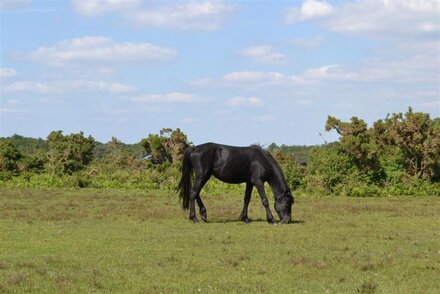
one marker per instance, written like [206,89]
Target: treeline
[398,155]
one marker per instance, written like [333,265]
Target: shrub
[327,168]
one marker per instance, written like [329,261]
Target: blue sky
[233,72]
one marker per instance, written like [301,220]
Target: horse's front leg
[265,202]
[247,199]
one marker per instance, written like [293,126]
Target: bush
[9,157]
[295,176]
[327,168]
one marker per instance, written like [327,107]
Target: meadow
[119,241]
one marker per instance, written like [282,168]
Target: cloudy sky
[234,72]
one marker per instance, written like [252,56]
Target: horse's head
[283,206]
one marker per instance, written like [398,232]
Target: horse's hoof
[245,219]
[194,219]
[205,219]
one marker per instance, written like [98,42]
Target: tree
[176,142]
[154,146]
[119,155]
[411,140]
[168,145]
[328,167]
[356,141]
[68,153]
[28,146]
[417,136]
[9,157]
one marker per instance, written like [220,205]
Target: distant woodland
[397,155]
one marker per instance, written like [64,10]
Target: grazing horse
[251,165]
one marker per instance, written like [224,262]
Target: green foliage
[9,157]
[119,155]
[175,142]
[301,154]
[154,146]
[293,171]
[32,163]
[327,168]
[295,175]
[168,145]
[28,146]
[418,139]
[356,141]
[68,153]
[396,151]
[399,155]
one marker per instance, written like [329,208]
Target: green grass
[95,241]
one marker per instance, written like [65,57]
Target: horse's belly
[231,175]
[230,180]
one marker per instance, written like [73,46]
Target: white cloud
[264,54]
[9,110]
[385,18]
[92,8]
[14,4]
[175,97]
[67,86]
[27,86]
[245,101]
[417,69]
[313,75]
[201,82]
[12,102]
[310,9]
[259,77]
[92,50]
[265,118]
[308,42]
[388,17]
[10,105]
[7,72]
[330,72]
[193,15]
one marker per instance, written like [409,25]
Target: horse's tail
[184,187]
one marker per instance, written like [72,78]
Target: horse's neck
[276,180]
[278,183]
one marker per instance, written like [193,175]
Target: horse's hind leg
[195,195]
[202,208]
[247,199]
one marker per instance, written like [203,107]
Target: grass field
[100,241]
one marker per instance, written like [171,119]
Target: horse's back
[230,164]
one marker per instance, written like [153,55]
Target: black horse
[251,165]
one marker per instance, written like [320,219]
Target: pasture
[103,241]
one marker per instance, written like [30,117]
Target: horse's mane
[265,153]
